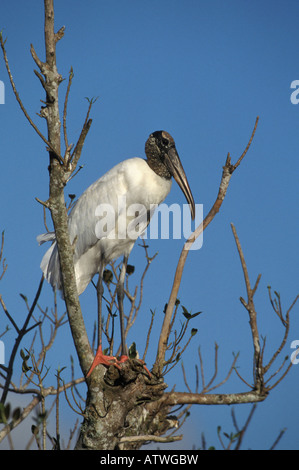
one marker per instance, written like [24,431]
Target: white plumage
[132,179]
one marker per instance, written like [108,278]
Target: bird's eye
[165,142]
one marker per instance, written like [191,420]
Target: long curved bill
[176,169]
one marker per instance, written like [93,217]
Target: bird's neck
[159,168]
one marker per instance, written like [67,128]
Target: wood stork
[133,181]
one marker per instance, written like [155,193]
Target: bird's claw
[101,358]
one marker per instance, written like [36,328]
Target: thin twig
[245,427]
[148,335]
[86,126]
[258,371]
[21,333]
[241,378]
[227,377]
[286,323]
[71,75]
[277,439]
[215,367]
[185,378]
[8,315]
[201,369]
[2,43]
[248,145]
[4,265]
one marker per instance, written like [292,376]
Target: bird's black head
[162,139]
[163,159]
[156,148]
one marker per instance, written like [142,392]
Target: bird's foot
[123,358]
[101,358]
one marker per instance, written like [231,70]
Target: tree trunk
[122,409]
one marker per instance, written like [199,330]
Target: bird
[137,183]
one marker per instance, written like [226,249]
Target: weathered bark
[59,173]
[117,405]
[123,404]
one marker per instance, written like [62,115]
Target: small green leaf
[189,315]
[25,367]
[34,430]
[2,413]
[7,411]
[16,414]
[132,351]
[194,331]
[186,313]
[195,314]
[22,354]
[153,312]
[178,357]
[43,416]
[109,310]
[108,276]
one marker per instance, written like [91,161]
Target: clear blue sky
[203,71]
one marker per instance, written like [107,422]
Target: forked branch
[260,386]
[228,170]
[258,372]
[2,43]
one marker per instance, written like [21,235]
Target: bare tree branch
[58,178]
[184,398]
[71,76]
[257,364]
[21,333]
[14,423]
[2,43]
[150,438]
[4,265]
[228,170]
[79,146]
